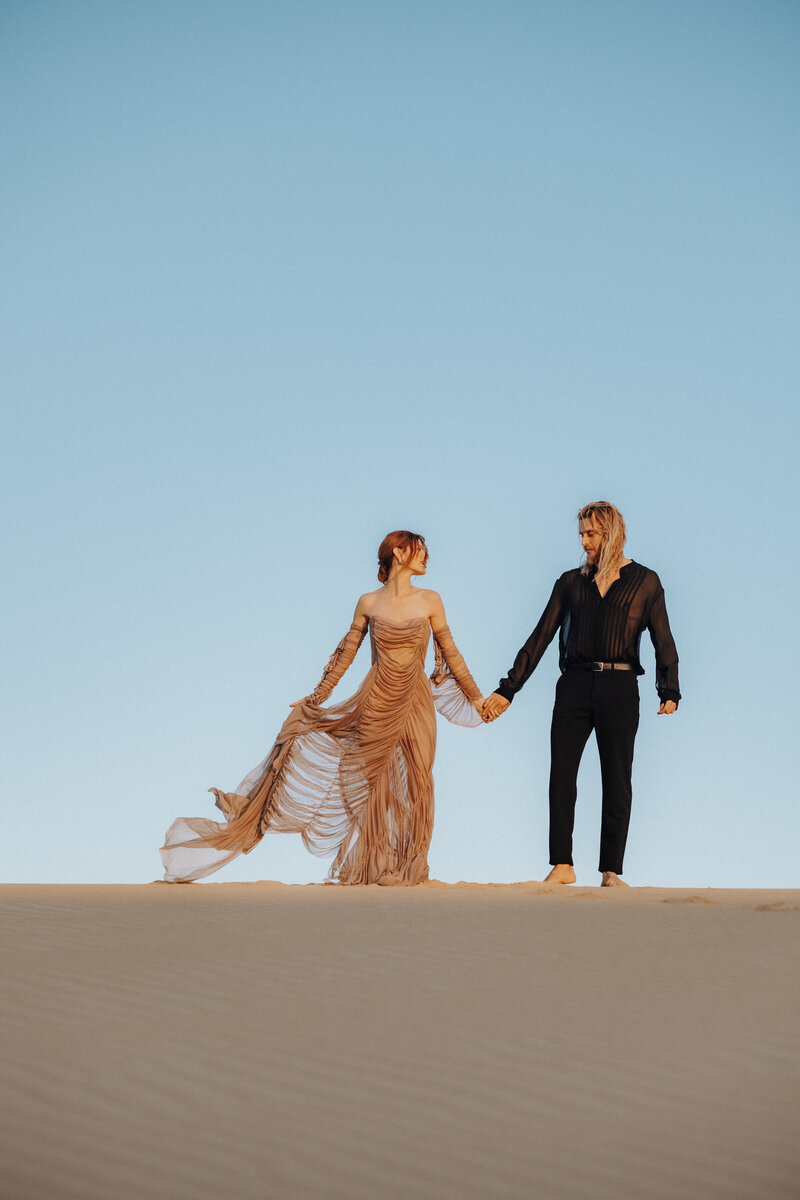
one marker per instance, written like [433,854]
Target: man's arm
[528,657]
[666,654]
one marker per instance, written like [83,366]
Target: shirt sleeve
[664,646]
[338,662]
[528,657]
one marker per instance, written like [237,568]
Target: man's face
[591,539]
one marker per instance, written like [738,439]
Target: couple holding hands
[355,779]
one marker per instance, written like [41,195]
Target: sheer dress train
[355,779]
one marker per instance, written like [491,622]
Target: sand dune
[243,1041]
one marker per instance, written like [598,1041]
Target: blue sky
[280,277]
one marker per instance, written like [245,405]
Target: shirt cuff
[505,691]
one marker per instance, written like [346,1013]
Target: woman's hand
[493,706]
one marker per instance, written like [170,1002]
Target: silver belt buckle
[598,666]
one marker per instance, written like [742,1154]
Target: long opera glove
[338,663]
[452,687]
[448,653]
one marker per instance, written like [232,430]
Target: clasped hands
[491,707]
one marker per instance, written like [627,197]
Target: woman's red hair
[399,539]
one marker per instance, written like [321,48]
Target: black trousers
[608,703]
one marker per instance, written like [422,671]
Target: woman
[355,780]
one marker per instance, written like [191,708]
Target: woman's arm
[342,656]
[448,650]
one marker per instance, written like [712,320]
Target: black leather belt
[601,666]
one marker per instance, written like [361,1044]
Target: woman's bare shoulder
[432,601]
[366,603]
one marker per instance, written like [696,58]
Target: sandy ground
[243,1041]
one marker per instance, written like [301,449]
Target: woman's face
[417,563]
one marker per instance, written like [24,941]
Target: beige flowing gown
[355,779]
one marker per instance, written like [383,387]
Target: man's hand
[493,706]
[667,707]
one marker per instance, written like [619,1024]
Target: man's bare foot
[561,873]
[611,879]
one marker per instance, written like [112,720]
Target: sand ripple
[229,1042]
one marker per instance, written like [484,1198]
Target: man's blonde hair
[611,524]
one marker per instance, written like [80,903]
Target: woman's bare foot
[561,873]
[611,879]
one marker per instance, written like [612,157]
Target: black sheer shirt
[595,628]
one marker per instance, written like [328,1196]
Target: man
[600,610]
